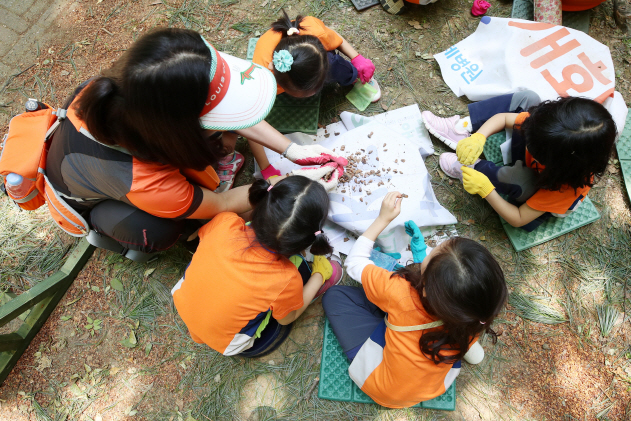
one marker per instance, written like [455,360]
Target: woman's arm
[234,200]
[264,134]
[516,216]
[309,291]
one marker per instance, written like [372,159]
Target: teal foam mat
[336,385]
[624,154]
[553,227]
[525,9]
[251,46]
[492,151]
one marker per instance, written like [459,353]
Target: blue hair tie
[282,61]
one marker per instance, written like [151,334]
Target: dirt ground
[140,363]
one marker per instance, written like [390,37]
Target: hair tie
[317,233]
[292,31]
[282,61]
[482,323]
[270,187]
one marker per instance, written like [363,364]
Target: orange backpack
[24,152]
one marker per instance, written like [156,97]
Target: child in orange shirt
[558,150]
[247,283]
[302,56]
[406,331]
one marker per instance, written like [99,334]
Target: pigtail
[284,24]
[258,191]
[321,246]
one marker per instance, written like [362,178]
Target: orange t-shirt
[555,201]
[405,376]
[264,51]
[230,285]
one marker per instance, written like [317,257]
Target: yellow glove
[475,182]
[469,149]
[322,266]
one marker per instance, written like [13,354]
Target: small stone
[546,347]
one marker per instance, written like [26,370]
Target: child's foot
[475,354]
[449,130]
[336,277]
[394,7]
[374,84]
[227,170]
[450,165]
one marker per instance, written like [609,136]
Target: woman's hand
[327,175]
[313,155]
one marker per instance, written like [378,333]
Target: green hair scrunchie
[282,61]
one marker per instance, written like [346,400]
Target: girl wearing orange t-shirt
[302,55]
[406,331]
[557,151]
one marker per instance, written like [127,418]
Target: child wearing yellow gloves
[557,152]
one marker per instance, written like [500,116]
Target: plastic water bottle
[17,187]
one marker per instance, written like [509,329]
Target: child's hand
[322,266]
[391,206]
[327,175]
[365,68]
[475,182]
[469,149]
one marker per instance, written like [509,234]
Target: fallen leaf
[65,73]
[384,106]
[131,341]
[148,349]
[413,22]
[114,370]
[95,289]
[44,362]
[116,284]
[217,378]
[427,56]
[149,272]
[264,3]
[482,238]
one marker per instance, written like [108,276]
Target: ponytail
[284,24]
[99,104]
[321,246]
[258,191]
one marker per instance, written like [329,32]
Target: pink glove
[480,7]
[270,171]
[365,68]
[312,154]
[327,175]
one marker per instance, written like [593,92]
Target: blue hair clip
[282,61]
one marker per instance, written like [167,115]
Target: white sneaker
[374,84]
[475,354]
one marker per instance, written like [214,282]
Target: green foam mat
[553,227]
[295,114]
[336,385]
[624,142]
[525,9]
[251,46]
[492,151]
[624,154]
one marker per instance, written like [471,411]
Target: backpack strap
[412,328]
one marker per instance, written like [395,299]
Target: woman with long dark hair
[143,143]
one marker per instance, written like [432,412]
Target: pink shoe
[336,277]
[449,130]
[448,162]
[227,170]
[377,96]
